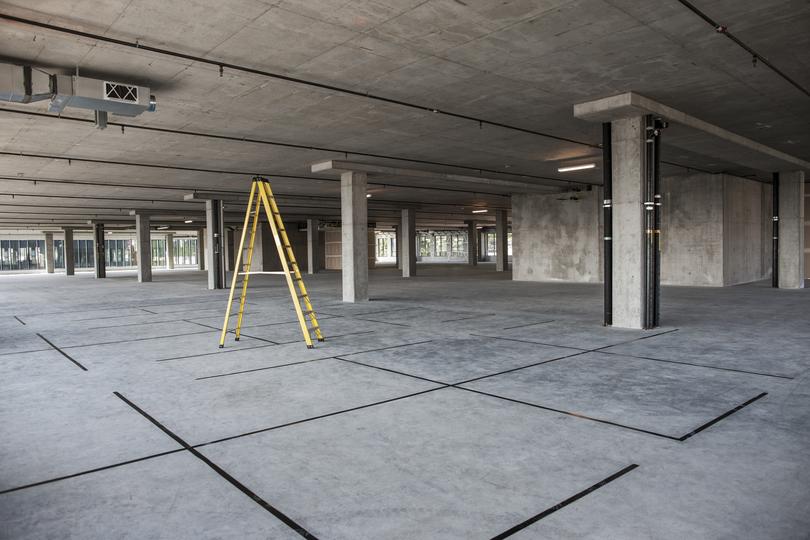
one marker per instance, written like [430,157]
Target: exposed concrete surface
[354,236]
[407,234]
[692,230]
[362,438]
[791,230]
[628,222]
[144,243]
[556,237]
[742,225]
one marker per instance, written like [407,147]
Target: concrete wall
[557,237]
[742,230]
[692,230]
[716,230]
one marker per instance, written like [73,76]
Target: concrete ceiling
[521,63]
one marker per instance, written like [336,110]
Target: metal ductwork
[100,95]
[27,84]
[23,84]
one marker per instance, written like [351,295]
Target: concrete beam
[144,248]
[631,105]
[408,237]
[354,236]
[383,170]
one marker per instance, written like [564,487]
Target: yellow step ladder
[261,196]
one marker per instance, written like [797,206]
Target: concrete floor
[458,404]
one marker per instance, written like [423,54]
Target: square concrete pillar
[627,141]
[501,239]
[201,249]
[144,239]
[49,253]
[791,230]
[214,244]
[408,237]
[70,255]
[100,263]
[472,243]
[170,251]
[313,246]
[398,246]
[354,236]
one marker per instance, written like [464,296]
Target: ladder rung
[311,328]
[303,296]
[308,311]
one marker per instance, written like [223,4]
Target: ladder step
[312,328]
[308,311]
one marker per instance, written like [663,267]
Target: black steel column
[775,260]
[652,221]
[100,263]
[607,212]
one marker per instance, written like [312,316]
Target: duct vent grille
[121,92]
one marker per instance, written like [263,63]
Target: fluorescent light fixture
[484,211]
[577,167]
[163,227]
[368,195]
[189,221]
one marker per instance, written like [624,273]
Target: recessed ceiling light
[368,195]
[484,211]
[577,167]
[189,221]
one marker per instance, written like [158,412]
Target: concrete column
[99,254]
[230,248]
[214,248]
[313,252]
[201,249]
[398,246]
[472,243]
[501,239]
[628,222]
[354,236]
[170,251]
[408,237]
[70,255]
[144,238]
[479,240]
[49,252]
[791,230]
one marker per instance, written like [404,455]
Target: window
[158,252]
[185,251]
[22,254]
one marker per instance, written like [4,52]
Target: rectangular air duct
[23,84]
[100,95]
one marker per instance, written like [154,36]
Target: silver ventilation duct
[23,84]
[100,95]
[26,84]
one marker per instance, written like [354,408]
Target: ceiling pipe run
[286,78]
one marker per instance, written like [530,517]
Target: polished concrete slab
[455,404]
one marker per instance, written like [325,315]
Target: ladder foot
[310,346]
[321,339]
[222,346]
[237,338]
